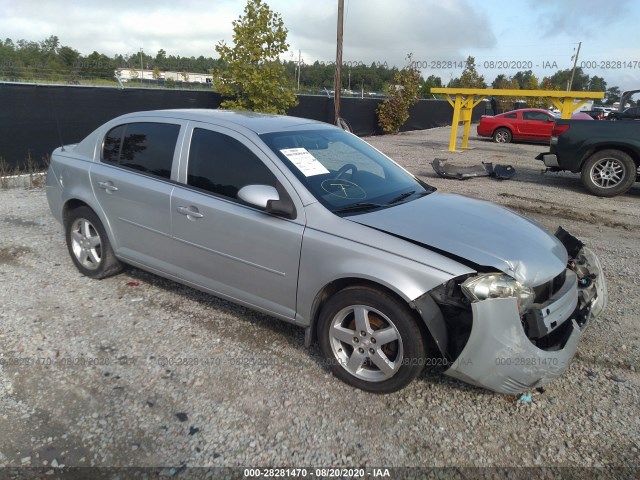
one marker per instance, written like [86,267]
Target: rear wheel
[608,173]
[371,340]
[89,245]
[502,135]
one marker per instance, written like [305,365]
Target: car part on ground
[445,169]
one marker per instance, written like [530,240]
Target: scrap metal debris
[525,398]
[447,170]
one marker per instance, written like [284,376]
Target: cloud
[374,31]
[379,30]
[587,16]
[119,26]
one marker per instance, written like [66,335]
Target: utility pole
[299,61]
[338,82]
[573,72]
[141,67]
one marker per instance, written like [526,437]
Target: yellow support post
[464,101]
[454,122]
[467,111]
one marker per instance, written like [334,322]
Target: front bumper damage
[502,356]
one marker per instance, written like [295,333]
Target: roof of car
[256,122]
[542,110]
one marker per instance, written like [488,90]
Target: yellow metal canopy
[464,99]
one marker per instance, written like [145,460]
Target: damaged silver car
[312,225]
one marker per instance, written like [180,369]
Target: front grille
[545,291]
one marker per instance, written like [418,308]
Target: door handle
[189,212]
[108,186]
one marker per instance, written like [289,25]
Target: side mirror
[268,198]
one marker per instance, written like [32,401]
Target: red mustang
[532,124]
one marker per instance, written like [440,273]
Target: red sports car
[532,124]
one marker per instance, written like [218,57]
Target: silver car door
[224,245]
[132,183]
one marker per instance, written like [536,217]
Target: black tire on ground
[371,340]
[608,173]
[502,135]
[89,245]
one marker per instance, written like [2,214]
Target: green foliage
[252,74]
[401,95]
[613,95]
[560,80]
[470,77]
[524,78]
[597,84]
[430,82]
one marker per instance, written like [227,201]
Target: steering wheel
[345,168]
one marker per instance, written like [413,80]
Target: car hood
[476,231]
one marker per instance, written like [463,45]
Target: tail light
[559,129]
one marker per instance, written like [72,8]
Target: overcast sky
[541,35]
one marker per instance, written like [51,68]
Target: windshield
[344,173]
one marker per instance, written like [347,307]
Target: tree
[401,95]
[156,73]
[523,78]
[561,79]
[502,82]
[613,95]
[429,83]
[597,84]
[252,76]
[161,59]
[470,78]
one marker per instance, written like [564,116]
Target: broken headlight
[498,285]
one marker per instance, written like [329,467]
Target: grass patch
[10,176]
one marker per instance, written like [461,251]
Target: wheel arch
[633,153]
[340,284]
[74,203]
[506,127]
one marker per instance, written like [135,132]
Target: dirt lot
[135,370]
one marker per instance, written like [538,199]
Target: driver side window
[222,165]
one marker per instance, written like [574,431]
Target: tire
[608,173]
[371,340]
[502,135]
[88,244]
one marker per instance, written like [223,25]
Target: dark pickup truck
[607,154]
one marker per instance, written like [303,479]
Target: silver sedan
[312,225]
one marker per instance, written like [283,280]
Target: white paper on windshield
[306,163]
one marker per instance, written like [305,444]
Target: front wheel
[608,173]
[371,340]
[502,135]
[89,245]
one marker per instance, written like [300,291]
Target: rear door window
[146,147]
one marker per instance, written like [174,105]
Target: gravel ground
[136,370]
